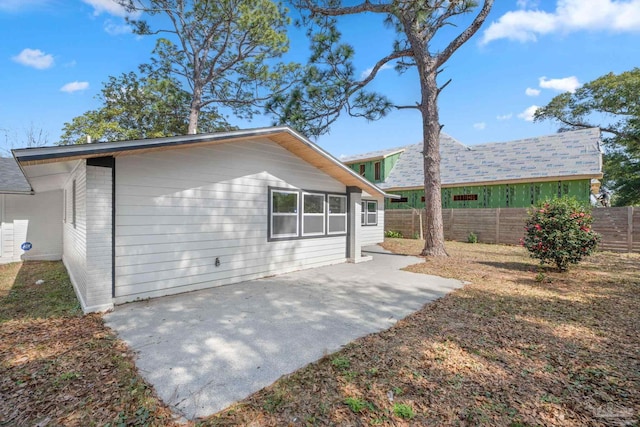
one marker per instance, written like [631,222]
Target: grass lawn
[517,346]
[58,367]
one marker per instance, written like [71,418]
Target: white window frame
[364,217]
[322,215]
[273,214]
[330,214]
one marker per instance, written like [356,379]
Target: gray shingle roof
[575,153]
[11,178]
[447,143]
[371,155]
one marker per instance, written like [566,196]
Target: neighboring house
[139,219]
[25,217]
[495,175]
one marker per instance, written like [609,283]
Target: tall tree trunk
[434,230]
[194,111]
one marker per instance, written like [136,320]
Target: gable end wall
[179,211]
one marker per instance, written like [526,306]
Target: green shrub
[341,362]
[357,405]
[393,234]
[472,238]
[403,411]
[559,232]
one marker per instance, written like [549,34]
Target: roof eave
[364,183]
[42,155]
[18,192]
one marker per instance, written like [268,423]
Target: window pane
[337,204]
[371,218]
[313,224]
[313,203]
[284,202]
[285,225]
[337,224]
[372,206]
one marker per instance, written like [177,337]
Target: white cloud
[19,5]
[70,64]
[114,29]
[567,84]
[527,4]
[368,71]
[504,116]
[527,114]
[569,16]
[34,58]
[480,126]
[532,92]
[74,87]
[109,7]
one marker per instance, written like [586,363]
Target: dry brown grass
[58,367]
[518,346]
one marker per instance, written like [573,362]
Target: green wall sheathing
[386,165]
[498,196]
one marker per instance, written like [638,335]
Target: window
[337,214]
[376,171]
[284,213]
[362,170]
[73,203]
[464,197]
[400,200]
[296,214]
[369,212]
[313,209]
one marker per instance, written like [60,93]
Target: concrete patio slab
[204,350]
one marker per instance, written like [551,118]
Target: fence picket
[619,227]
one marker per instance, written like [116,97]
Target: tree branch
[367,6]
[444,56]
[380,64]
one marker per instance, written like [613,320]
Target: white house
[139,219]
[25,217]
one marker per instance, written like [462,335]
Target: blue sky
[56,54]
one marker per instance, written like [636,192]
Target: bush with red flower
[559,232]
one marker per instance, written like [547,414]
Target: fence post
[451,226]
[630,229]
[497,226]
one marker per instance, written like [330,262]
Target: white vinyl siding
[87,235]
[74,235]
[31,218]
[374,234]
[178,211]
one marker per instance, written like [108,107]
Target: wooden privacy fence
[619,227]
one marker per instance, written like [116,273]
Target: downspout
[113,229]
